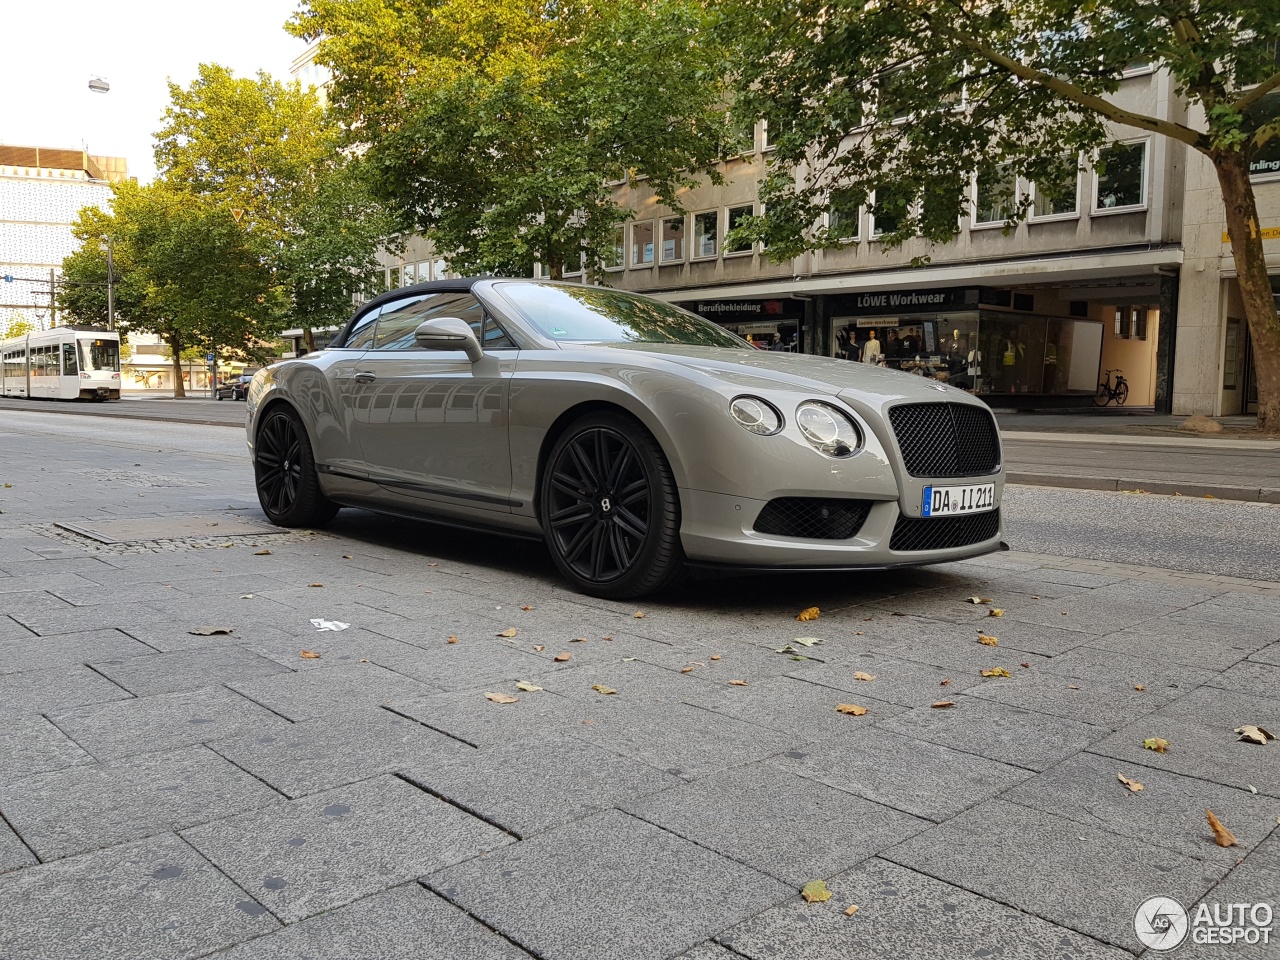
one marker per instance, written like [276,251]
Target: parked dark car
[237,388]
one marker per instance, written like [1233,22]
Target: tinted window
[361,336]
[594,314]
[396,328]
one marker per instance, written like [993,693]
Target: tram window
[99,355]
[69,360]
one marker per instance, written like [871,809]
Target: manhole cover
[166,528]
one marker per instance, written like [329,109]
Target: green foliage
[495,126]
[18,326]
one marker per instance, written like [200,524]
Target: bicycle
[1106,392]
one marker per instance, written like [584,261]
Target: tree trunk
[175,348]
[1255,286]
[309,339]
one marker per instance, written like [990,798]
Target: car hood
[760,368]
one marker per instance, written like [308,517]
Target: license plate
[949,501]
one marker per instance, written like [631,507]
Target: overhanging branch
[1244,102]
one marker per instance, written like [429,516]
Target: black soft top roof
[460,285]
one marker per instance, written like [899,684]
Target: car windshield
[596,315]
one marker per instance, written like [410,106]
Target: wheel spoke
[633,492]
[578,543]
[618,547]
[568,484]
[597,551]
[619,467]
[567,516]
[630,523]
[584,467]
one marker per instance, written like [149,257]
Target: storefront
[769,324]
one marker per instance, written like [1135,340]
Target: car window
[495,338]
[361,336]
[396,327]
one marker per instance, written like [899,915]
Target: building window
[706,235]
[889,206]
[742,135]
[673,240]
[1122,177]
[771,130]
[1266,162]
[615,251]
[733,219]
[994,198]
[1056,198]
[572,270]
[642,244]
[844,221]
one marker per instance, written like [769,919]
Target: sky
[52,50]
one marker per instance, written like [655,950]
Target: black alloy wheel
[610,511]
[285,473]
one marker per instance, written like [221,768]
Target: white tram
[65,363]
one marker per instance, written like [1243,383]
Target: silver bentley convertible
[636,439]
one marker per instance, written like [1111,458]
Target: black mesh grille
[813,518]
[946,439]
[939,533]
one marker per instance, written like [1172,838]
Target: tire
[217,395]
[610,510]
[284,473]
[1122,393]
[1102,396]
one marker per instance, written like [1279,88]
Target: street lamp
[98,85]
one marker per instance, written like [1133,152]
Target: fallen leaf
[209,631]
[562,657]
[452,640]
[1072,686]
[787,649]
[1140,687]
[687,670]
[1221,835]
[526,607]
[433,564]
[308,655]
[1251,733]
[851,708]
[262,553]
[815,891]
[346,556]
[807,614]
[809,641]
[601,688]
[538,647]
[859,633]
[737,683]
[501,698]
[859,675]
[715,656]
[976,600]
[578,640]
[850,910]
[245,596]
[995,672]
[1158,744]
[1133,785]
[527,687]
[988,641]
[639,615]
[610,637]
[509,632]
[943,704]
[995,612]
[1034,597]
[1025,665]
[945,682]
[315,584]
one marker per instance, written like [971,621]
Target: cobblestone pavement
[190,767]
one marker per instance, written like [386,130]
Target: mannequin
[871,349]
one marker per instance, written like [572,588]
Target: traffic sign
[8,278]
[237,214]
[208,358]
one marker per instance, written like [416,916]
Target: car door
[433,424]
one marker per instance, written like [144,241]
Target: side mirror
[448,333]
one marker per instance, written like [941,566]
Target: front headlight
[756,415]
[827,429]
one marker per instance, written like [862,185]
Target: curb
[1163,487]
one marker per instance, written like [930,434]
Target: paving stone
[1054,868]
[311,855]
[403,923]
[997,731]
[170,637]
[1254,613]
[685,741]
[88,807]
[466,664]
[1199,728]
[788,705]
[1034,638]
[11,630]
[923,779]
[1103,703]
[338,689]
[1181,639]
[1092,664]
[41,691]
[779,823]
[902,913]
[147,900]
[329,751]
[187,670]
[964,654]
[896,681]
[29,743]
[1268,654]
[163,722]
[708,951]
[42,653]
[1260,679]
[738,658]
[73,619]
[635,680]
[662,894]
[469,717]
[14,854]
[1252,882]
[533,785]
[1168,812]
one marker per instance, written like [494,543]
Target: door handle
[365,376]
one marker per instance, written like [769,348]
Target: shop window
[1266,162]
[706,235]
[614,250]
[734,217]
[994,197]
[642,244]
[889,207]
[673,240]
[1058,197]
[1122,177]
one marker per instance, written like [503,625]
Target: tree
[19,326]
[270,151]
[495,126]
[1001,90]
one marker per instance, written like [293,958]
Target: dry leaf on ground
[209,631]
[347,556]
[639,615]
[527,687]
[1133,785]
[1221,835]
[807,614]
[578,640]
[610,637]
[601,688]
[977,600]
[315,584]
[851,708]
[815,891]
[1073,686]
[501,698]
[308,655]
[452,640]
[539,647]
[1139,687]
[945,683]
[850,910]
[562,657]
[995,672]
[737,683]
[509,632]
[942,704]
[526,606]
[1251,733]
[686,670]
[1158,744]
[715,656]
[262,553]
[988,641]
[809,641]
[995,612]
[859,675]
